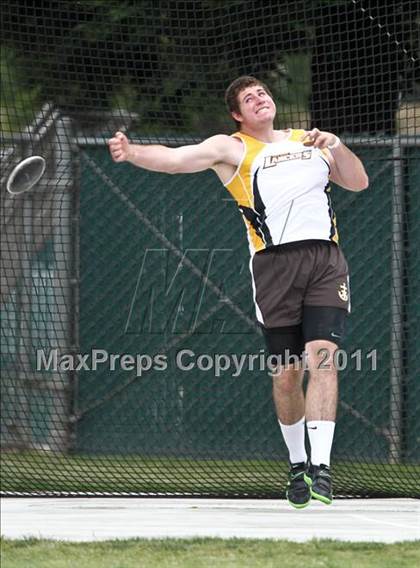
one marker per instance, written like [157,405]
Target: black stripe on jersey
[253,218]
[327,190]
[260,209]
[328,165]
[257,215]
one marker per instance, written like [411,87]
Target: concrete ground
[98,518]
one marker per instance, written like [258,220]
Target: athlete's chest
[288,159]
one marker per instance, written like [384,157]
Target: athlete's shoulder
[252,146]
[225,148]
[222,143]
[220,139]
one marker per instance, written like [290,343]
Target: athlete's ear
[236,116]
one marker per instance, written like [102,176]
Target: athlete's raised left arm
[346,168]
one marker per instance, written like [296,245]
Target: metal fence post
[60,438]
[397,306]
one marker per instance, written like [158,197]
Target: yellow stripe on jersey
[240,186]
[296,135]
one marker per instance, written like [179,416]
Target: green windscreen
[131,359]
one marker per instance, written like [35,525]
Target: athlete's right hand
[119,147]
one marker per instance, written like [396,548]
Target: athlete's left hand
[318,138]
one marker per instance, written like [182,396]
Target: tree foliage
[169,61]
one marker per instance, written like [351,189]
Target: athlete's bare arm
[220,152]
[347,170]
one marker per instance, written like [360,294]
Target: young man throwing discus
[280,180]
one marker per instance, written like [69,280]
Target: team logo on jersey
[343,292]
[271,161]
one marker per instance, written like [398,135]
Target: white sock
[294,436]
[321,434]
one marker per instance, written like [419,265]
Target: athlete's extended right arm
[185,159]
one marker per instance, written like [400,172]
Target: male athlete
[281,182]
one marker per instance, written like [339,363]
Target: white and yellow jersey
[282,189]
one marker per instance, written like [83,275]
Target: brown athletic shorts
[290,276]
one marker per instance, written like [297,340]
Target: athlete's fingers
[118,146]
[306,139]
[121,137]
[114,143]
[311,136]
[321,141]
[314,133]
[116,154]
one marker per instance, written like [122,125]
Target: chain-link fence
[131,361]
[147,372]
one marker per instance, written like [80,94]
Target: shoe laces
[297,469]
[322,476]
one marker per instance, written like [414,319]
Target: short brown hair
[238,85]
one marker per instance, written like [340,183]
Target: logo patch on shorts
[343,292]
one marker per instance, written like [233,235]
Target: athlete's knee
[288,379]
[320,357]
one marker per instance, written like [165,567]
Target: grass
[207,552]
[45,471]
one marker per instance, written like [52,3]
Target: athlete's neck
[267,135]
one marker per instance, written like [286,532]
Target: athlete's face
[256,107]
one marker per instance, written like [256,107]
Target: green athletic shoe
[298,491]
[321,488]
